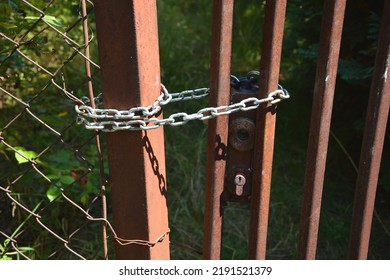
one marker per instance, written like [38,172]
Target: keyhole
[239,179]
[243,134]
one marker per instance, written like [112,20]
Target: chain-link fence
[53,183]
[51,205]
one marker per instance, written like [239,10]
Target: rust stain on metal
[266,117]
[331,31]
[129,59]
[217,128]
[372,147]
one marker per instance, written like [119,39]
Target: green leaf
[6,242]
[52,193]
[84,199]
[25,249]
[32,17]
[66,180]
[23,156]
[50,19]
[7,25]
[53,176]
[5,258]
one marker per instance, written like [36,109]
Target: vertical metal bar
[264,144]
[372,147]
[217,128]
[97,136]
[331,30]
[130,69]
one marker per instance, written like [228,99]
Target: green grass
[185,55]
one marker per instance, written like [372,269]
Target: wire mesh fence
[52,180]
[52,196]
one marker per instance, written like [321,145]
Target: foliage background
[185,35]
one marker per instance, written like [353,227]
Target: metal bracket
[242,126]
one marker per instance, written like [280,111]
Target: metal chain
[141,118]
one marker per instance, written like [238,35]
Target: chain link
[141,118]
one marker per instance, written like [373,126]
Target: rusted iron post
[372,147]
[130,69]
[217,128]
[264,140]
[331,30]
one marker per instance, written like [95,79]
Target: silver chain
[141,118]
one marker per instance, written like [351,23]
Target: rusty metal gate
[233,173]
[240,138]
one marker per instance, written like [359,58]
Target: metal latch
[242,126]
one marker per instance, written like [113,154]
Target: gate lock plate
[242,126]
